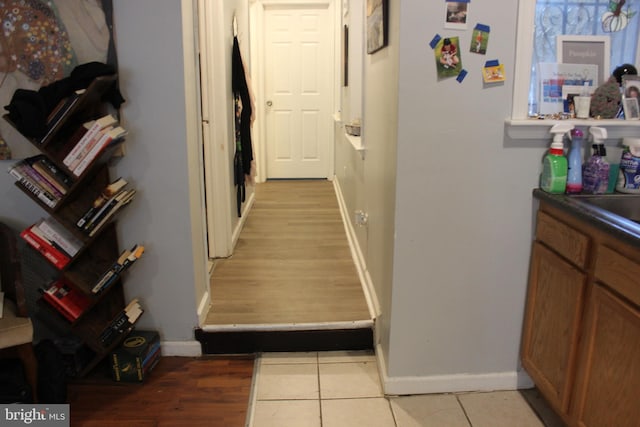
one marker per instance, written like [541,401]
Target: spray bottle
[574,176]
[596,169]
[553,178]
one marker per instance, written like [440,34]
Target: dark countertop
[620,227]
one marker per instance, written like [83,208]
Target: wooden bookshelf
[99,251]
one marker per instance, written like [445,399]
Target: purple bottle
[595,177]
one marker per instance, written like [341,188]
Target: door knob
[269,103]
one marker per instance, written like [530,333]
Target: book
[69,301]
[106,194]
[35,231]
[38,179]
[60,235]
[25,181]
[55,118]
[136,356]
[53,255]
[93,128]
[100,212]
[122,323]
[88,147]
[29,178]
[51,173]
[121,200]
[124,261]
[109,137]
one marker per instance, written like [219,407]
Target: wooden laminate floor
[180,391]
[292,262]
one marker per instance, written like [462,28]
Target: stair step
[242,340]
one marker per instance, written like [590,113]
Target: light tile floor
[342,389]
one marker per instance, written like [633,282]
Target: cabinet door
[550,337]
[608,385]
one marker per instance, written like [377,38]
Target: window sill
[539,129]
[355,141]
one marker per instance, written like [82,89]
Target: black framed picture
[377,31]
[345,56]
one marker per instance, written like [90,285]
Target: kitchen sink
[624,205]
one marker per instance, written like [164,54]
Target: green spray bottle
[553,178]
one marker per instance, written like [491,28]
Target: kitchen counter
[609,222]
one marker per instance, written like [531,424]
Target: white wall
[463,216]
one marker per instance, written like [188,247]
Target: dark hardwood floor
[211,391]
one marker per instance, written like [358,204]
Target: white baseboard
[205,302]
[245,212]
[181,348]
[356,253]
[492,381]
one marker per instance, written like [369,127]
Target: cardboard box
[136,356]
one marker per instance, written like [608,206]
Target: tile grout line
[464,411]
[319,387]
[393,414]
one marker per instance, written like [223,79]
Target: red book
[53,255]
[67,299]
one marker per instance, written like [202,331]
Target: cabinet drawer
[619,273]
[567,241]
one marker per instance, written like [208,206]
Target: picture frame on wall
[345,56]
[377,31]
[595,50]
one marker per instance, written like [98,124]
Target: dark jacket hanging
[242,100]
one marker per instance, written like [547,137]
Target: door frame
[217,171]
[256,20]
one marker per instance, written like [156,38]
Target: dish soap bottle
[596,169]
[553,178]
[574,175]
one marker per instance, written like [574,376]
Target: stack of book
[53,241]
[42,178]
[124,261]
[56,116]
[136,357]
[90,141]
[122,323]
[67,300]
[113,198]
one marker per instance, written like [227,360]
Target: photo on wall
[448,61]
[377,31]
[42,42]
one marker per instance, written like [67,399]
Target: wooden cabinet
[554,306]
[581,335]
[96,252]
[608,380]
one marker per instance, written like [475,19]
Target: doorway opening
[292,243]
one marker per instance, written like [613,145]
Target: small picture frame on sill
[631,108]
[631,86]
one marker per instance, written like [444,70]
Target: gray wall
[449,203]
[150,55]
[464,207]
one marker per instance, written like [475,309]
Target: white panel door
[298,75]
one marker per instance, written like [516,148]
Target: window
[542,21]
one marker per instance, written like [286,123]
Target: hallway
[292,263]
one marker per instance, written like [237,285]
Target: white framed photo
[631,108]
[631,86]
[586,50]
